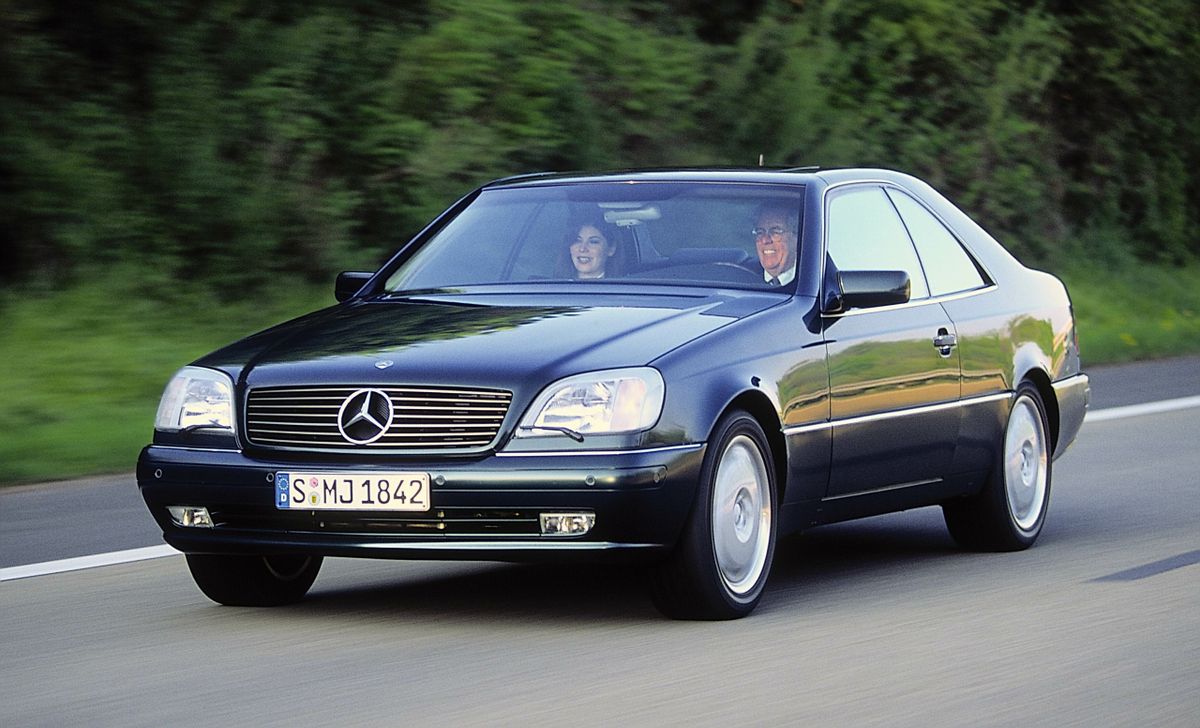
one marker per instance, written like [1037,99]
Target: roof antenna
[760,160]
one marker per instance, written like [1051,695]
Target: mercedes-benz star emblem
[365,416]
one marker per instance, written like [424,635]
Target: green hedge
[230,143]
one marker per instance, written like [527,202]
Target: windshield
[738,235]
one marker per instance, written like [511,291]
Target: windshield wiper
[576,436]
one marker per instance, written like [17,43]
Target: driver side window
[865,233]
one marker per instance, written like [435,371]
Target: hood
[497,340]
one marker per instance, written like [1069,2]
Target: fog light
[567,524]
[190,516]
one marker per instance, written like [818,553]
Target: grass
[81,370]
[1135,311]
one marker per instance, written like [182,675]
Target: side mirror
[348,283]
[868,288]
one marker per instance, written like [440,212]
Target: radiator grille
[425,418]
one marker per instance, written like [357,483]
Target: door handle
[944,342]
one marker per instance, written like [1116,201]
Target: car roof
[761,175]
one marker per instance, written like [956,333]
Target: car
[666,368]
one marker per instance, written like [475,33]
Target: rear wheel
[720,565]
[253,581]
[1009,513]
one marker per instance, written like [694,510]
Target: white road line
[1137,410]
[157,552]
[85,562]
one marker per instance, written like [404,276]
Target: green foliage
[234,143]
[952,90]
[1129,120]
[498,87]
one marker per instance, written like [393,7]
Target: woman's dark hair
[614,266]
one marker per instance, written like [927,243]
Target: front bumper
[482,509]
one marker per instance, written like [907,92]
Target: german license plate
[352,491]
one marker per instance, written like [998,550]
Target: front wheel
[1009,513]
[720,565]
[253,581]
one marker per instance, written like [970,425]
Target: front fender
[779,375]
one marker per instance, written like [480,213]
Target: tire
[721,563]
[254,581]
[1008,514]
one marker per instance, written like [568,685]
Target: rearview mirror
[348,283]
[868,288]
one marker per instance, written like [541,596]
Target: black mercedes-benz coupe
[673,367]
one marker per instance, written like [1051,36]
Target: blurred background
[175,175]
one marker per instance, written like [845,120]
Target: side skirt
[798,516]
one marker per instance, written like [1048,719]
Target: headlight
[608,402]
[196,399]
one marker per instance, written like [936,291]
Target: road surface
[877,622]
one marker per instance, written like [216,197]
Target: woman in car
[591,250]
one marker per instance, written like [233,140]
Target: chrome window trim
[913,304]
[563,453]
[884,489]
[1071,381]
[893,414]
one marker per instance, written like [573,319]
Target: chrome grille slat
[489,408]
[494,393]
[425,418]
[497,417]
[459,434]
[308,404]
[443,442]
[412,422]
[260,421]
[332,432]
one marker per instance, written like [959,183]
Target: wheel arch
[760,407]
[1041,382]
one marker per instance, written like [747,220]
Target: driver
[775,240]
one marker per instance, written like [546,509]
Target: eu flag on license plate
[281,488]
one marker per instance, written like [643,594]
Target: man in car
[775,239]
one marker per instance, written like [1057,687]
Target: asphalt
[1117,385]
[880,622]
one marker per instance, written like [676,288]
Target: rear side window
[948,267]
[865,233]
